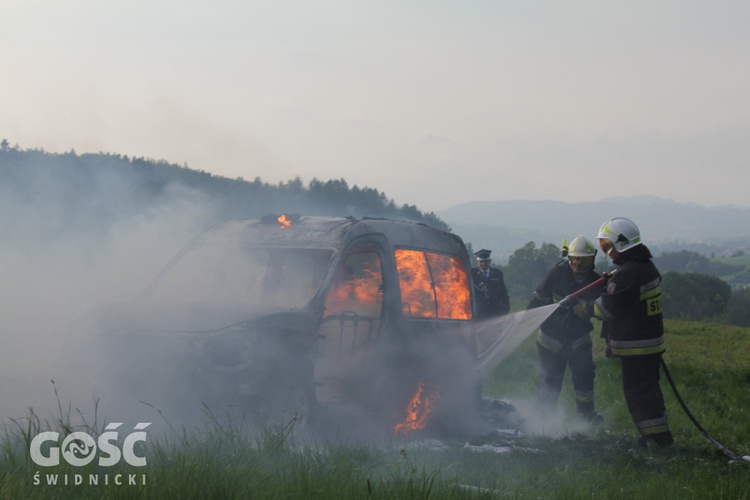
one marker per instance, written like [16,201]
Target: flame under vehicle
[286,317]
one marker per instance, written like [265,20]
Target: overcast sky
[433,102]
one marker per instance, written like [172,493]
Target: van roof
[328,233]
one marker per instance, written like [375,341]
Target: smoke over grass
[64,253]
[71,252]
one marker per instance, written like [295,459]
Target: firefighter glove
[584,309]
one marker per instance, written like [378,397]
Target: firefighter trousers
[644,398]
[552,365]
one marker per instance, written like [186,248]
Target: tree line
[91,192]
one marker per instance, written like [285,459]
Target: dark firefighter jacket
[631,306]
[563,326]
[491,295]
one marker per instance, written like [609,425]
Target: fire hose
[570,299]
[724,449]
[567,302]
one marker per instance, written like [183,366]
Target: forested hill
[89,193]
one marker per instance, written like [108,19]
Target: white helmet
[581,255]
[581,247]
[622,232]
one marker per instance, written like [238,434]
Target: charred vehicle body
[286,316]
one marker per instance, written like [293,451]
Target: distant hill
[665,225]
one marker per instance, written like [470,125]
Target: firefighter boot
[593,418]
[661,439]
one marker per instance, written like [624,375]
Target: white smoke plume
[58,262]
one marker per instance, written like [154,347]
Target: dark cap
[483,254]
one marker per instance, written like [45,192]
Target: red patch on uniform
[611,288]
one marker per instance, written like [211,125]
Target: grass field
[710,364]
[739,261]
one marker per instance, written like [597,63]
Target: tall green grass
[710,363]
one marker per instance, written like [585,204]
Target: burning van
[288,317]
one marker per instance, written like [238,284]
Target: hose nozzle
[567,302]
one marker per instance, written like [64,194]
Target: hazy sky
[433,102]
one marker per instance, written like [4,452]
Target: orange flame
[420,406]
[359,294]
[433,285]
[284,221]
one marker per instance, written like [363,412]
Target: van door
[350,325]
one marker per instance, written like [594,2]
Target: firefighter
[564,338]
[631,310]
[489,288]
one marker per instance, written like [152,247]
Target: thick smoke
[64,254]
[65,260]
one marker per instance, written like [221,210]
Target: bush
[738,311]
[527,267]
[694,296]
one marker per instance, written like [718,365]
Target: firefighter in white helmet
[564,338]
[630,307]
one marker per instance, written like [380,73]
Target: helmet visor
[606,245]
[581,264]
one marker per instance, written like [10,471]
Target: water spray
[514,328]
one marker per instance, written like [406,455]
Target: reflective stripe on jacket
[555,345]
[631,308]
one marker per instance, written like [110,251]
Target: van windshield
[232,273]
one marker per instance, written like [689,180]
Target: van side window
[357,286]
[433,285]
